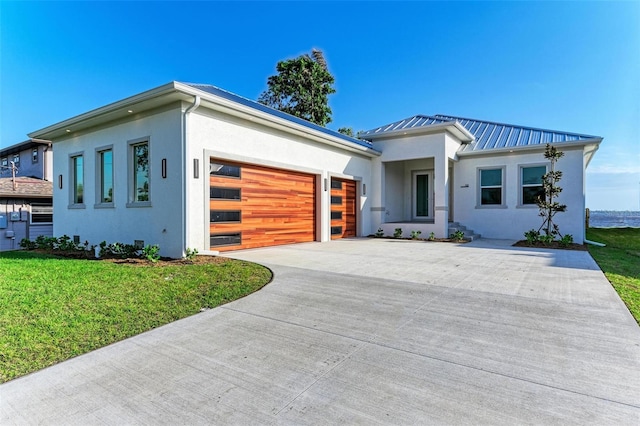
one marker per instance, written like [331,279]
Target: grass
[620,262]
[54,308]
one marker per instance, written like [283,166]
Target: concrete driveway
[370,332]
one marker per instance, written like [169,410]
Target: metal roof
[488,135]
[264,108]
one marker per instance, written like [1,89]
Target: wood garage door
[343,208]
[252,206]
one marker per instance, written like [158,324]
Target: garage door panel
[343,208]
[277,207]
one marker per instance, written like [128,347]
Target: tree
[301,88]
[348,131]
[546,202]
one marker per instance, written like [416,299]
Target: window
[230,239]
[105,176]
[41,214]
[336,184]
[139,174]
[224,170]
[16,159]
[336,215]
[217,216]
[336,200]
[4,162]
[336,230]
[225,193]
[491,189]
[531,184]
[77,175]
[34,155]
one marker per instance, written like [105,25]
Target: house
[194,166]
[25,192]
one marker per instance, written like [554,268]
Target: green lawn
[53,309]
[620,262]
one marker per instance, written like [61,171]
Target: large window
[491,187]
[77,177]
[16,160]
[34,155]
[531,184]
[105,176]
[140,172]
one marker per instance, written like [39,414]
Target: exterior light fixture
[68,131]
[164,168]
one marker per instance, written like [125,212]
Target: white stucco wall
[512,220]
[159,223]
[216,134]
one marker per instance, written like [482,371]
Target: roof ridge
[456,118]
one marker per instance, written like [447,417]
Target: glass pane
[78,180]
[336,184]
[336,215]
[225,239]
[225,170]
[336,230]
[491,196]
[530,194]
[106,158]
[533,175]
[141,172]
[225,216]
[224,193]
[422,195]
[336,200]
[491,177]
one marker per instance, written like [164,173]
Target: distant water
[613,219]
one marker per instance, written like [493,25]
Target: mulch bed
[553,245]
[164,261]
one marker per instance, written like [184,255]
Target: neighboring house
[193,166]
[25,192]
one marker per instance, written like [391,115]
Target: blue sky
[572,66]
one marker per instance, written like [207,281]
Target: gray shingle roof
[263,108]
[488,135]
[25,187]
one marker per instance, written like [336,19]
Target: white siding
[513,220]
[159,224]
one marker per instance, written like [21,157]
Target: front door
[422,195]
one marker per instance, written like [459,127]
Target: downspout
[44,161]
[185,178]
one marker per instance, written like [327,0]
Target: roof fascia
[453,127]
[539,147]
[22,146]
[61,127]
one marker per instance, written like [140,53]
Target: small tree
[301,88]
[348,131]
[546,202]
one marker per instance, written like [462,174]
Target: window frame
[521,185]
[73,181]
[100,203]
[131,172]
[16,159]
[502,186]
[40,205]
[35,156]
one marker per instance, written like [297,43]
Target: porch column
[441,196]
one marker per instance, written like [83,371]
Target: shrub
[151,253]
[532,236]
[566,240]
[27,244]
[379,233]
[191,253]
[457,236]
[45,243]
[547,239]
[415,234]
[432,236]
[397,233]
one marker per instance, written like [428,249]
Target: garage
[343,208]
[253,206]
